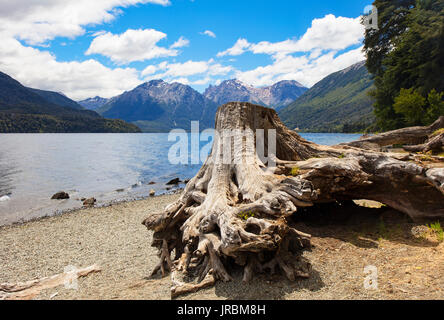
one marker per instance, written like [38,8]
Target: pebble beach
[114,238]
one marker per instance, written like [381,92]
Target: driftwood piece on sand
[235,211]
[412,136]
[30,289]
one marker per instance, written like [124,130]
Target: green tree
[411,105]
[406,52]
[417,110]
[392,16]
[436,106]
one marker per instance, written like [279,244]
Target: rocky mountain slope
[93,103]
[276,96]
[158,106]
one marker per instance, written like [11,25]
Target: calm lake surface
[109,167]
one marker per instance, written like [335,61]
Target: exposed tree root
[235,212]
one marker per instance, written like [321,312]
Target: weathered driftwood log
[412,136]
[30,289]
[434,144]
[235,210]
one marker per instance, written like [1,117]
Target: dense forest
[338,103]
[405,55]
[25,110]
[37,123]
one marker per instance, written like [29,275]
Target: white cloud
[317,53]
[302,69]
[186,69]
[182,42]
[328,33]
[181,72]
[149,70]
[98,33]
[241,46]
[219,70]
[187,82]
[78,80]
[209,33]
[130,46]
[37,21]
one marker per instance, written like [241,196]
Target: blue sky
[104,47]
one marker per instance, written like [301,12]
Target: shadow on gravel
[266,287]
[361,226]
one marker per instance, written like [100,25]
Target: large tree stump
[235,212]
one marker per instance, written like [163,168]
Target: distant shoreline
[107,204]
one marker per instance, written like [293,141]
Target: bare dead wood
[236,212]
[30,289]
[434,144]
[180,288]
[412,136]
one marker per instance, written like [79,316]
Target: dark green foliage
[436,106]
[57,98]
[411,105]
[36,123]
[392,16]
[338,103]
[153,126]
[417,110]
[407,52]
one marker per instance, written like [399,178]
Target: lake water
[109,167]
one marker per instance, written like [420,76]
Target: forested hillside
[24,110]
[338,103]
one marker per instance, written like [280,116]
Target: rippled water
[109,167]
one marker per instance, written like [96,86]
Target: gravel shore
[409,267]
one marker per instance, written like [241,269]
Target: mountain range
[27,110]
[93,103]
[276,96]
[338,103]
[158,106]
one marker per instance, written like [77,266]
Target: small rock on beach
[173,182]
[60,196]
[89,202]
